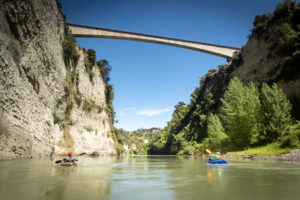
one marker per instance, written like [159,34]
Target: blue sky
[150,79]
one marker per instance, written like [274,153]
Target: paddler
[216,156]
[219,156]
[70,158]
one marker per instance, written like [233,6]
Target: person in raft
[216,156]
[219,156]
[70,158]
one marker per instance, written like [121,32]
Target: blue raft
[216,161]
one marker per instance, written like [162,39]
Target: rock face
[90,130]
[32,87]
[262,63]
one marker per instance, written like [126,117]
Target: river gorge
[55,98]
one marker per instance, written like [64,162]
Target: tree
[215,132]
[91,56]
[105,69]
[240,113]
[276,110]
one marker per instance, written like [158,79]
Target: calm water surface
[148,177]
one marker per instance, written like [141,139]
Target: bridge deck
[94,32]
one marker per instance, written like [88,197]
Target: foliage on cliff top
[282,29]
[105,69]
[89,62]
[287,12]
[69,44]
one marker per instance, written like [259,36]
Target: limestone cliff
[35,114]
[90,126]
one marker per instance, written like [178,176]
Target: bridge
[94,32]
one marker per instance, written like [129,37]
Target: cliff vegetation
[251,101]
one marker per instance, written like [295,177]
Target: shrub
[211,72]
[91,56]
[105,69]
[237,59]
[69,48]
[89,128]
[78,99]
[291,136]
[289,141]
[100,109]
[88,105]
[89,62]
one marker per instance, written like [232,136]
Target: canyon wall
[33,95]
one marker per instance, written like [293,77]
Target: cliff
[38,116]
[271,55]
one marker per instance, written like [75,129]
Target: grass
[268,150]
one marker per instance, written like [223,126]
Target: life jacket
[69,159]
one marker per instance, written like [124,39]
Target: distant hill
[136,142]
[149,131]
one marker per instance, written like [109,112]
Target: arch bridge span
[94,32]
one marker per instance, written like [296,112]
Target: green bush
[260,25]
[287,38]
[237,59]
[78,99]
[100,109]
[89,62]
[89,128]
[291,136]
[91,56]
[105,69]
[69,48]
[289,141]
[210,72]
[88,105]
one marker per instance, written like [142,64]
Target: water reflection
[215,170]
[64,171]
[140,177]
[42,179]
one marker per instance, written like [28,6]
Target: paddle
[208,151]
[59,161]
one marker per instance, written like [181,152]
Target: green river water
[148,177]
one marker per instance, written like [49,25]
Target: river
[148,177]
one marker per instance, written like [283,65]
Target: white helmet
[218,153]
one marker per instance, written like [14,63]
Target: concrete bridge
[93,32]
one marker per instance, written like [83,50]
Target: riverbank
[268,152]
[293,156]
